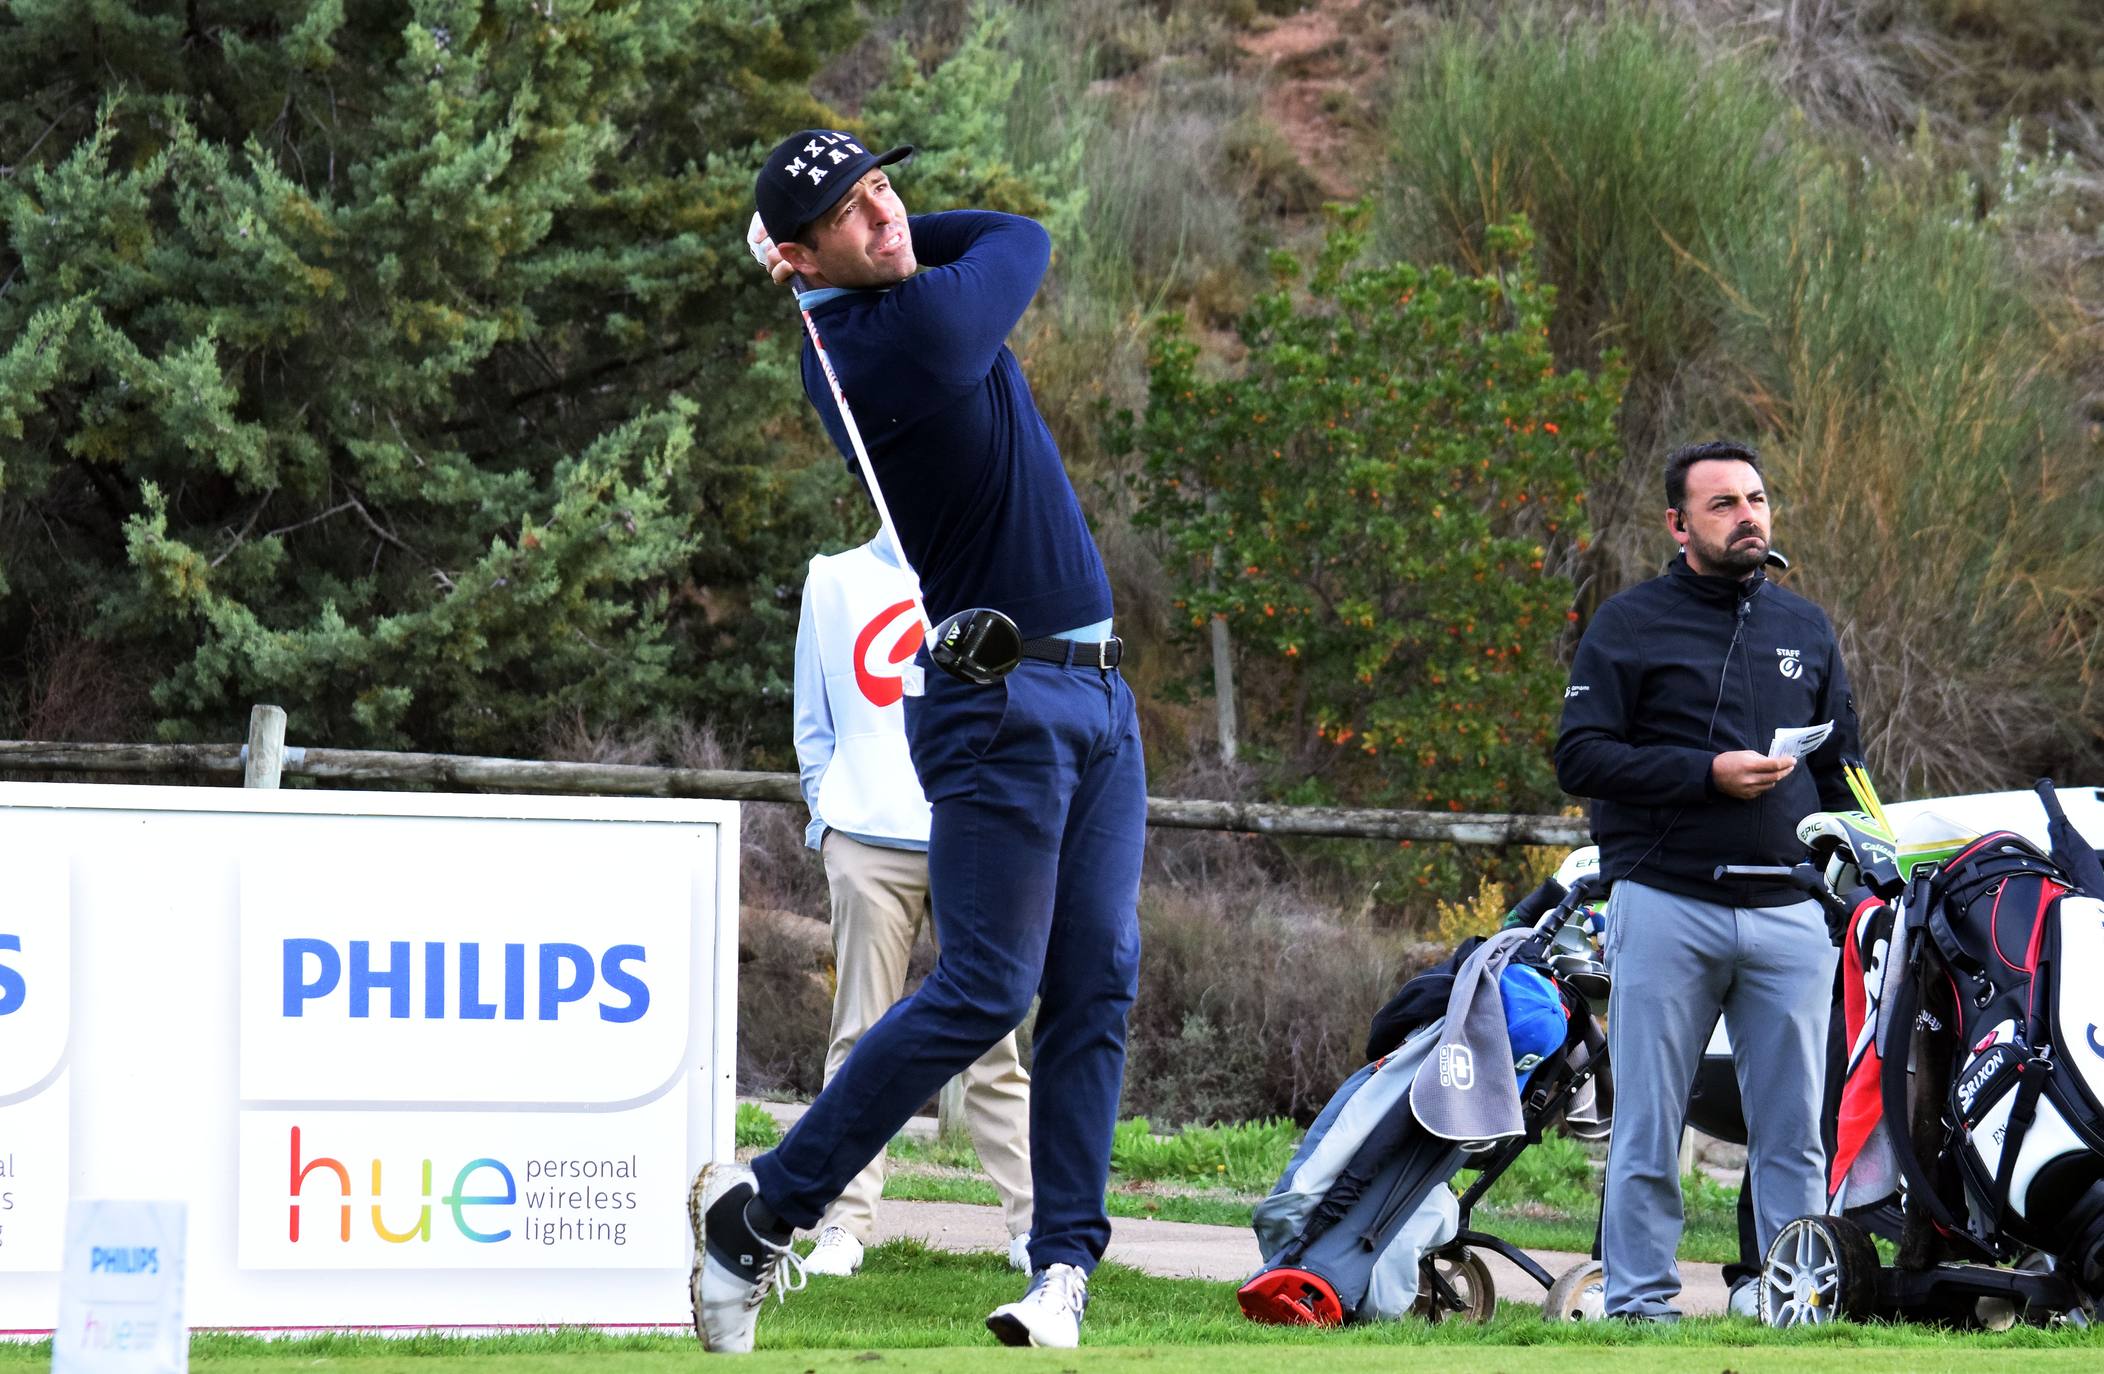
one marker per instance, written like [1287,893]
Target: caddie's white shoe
[836,1255]
[735,1268]
[1049,1314]
[1019,1253]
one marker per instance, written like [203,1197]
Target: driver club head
[979,645]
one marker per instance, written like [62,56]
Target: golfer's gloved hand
[765,253]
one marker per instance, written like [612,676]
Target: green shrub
[1377,503]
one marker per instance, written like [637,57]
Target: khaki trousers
[880,901]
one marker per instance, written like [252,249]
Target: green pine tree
[400,362]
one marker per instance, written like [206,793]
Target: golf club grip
[1805,878]
[869,471]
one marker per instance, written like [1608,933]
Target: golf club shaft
[869,471]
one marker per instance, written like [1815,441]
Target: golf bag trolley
[1362,1225]
[1971,1130]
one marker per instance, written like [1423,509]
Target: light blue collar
[817,296]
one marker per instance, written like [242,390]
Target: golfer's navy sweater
[971,474]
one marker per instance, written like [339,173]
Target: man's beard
[1734,558]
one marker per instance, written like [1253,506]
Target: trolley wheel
[1578,1295]
[1818,1269]
[1455,1283]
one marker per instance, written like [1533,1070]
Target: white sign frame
[161,1113]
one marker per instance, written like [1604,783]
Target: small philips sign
[121,1290]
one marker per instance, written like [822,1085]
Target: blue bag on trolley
[1366,1194]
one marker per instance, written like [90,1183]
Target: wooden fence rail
[457,771]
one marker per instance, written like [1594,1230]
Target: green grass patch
[1214,1175]
[922,1309]
[1550,1200]
[755,1128]
[1200,1208]
[1247,1156]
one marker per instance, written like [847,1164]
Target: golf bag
[1990,982]
[1365,1198]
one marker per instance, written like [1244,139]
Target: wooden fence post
[266,747]
[949,1113]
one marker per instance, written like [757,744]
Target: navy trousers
[1039,794]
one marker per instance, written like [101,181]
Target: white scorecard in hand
[1798,740]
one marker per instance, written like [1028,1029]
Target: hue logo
[492,1171]
[14,990]
[881,684]
[562,974]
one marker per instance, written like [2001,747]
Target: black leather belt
[1077,653]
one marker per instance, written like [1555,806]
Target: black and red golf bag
[1993,988]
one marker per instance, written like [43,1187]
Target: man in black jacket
[1676,692]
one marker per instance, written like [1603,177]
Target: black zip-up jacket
[1672,673]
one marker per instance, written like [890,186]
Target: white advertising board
[410,1060]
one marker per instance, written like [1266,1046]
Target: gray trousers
[1677,961]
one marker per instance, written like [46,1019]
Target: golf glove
[762,248]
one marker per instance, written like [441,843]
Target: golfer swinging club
[1035,779]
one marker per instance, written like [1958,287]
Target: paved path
[1179,1249]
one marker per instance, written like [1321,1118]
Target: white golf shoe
[1049,1314]
[836,1255]
[735,1268]
[1019,1253]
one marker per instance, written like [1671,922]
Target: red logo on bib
[881,684]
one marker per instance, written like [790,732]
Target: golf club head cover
[979,645]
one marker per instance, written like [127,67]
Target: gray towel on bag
[1466,1089]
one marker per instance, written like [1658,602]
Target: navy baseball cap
[807,172]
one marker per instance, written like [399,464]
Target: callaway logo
[879,683]
[1879,853]
[1457,1067]
[1576,689]
[1791,664]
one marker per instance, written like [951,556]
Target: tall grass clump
[1629,154]
[1150,112]
[1869,329]
[1635,159]
[1932,477]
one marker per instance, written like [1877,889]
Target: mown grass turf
[912,1307]
[612,1357]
